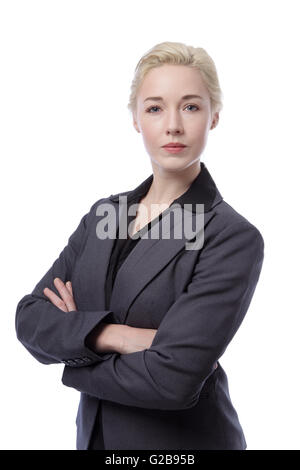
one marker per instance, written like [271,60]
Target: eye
[192,105]
[148,110]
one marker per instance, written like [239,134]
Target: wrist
[120,338]
[111,338]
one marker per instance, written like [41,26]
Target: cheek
[199,128]
[149,132]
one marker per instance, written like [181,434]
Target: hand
[136,339]
[106,338]
[123,339]
[66,303]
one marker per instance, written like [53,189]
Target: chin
[172,163]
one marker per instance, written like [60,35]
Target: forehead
[168,78]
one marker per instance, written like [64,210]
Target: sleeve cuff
[82,355]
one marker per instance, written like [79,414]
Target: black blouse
[120,251]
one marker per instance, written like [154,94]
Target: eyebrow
[185,97]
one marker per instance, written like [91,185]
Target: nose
[174,125]
[173,131]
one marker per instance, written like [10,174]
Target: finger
[65,294]
[57,301]
[69,287]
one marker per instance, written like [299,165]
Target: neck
[167,186]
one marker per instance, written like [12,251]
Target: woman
[141,319]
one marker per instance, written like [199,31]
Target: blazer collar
[203,190]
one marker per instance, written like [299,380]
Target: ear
[215,121]
[135,124]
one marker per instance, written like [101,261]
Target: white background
[67,140]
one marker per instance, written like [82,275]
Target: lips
[174,146]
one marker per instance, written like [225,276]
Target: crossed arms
[122,339]
[171,371]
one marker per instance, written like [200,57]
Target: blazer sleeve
[49,334]
[193,334]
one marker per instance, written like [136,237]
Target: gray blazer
[172,395]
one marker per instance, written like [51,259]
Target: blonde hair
[177,53]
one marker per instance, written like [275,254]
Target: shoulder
[232,245]
[101,208]
[228,222]
[226,218]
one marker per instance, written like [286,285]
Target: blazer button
[79,360]
[86,359]
[71,362]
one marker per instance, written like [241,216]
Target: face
[172,118]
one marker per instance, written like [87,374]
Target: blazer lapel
[151,254]
[143,263]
